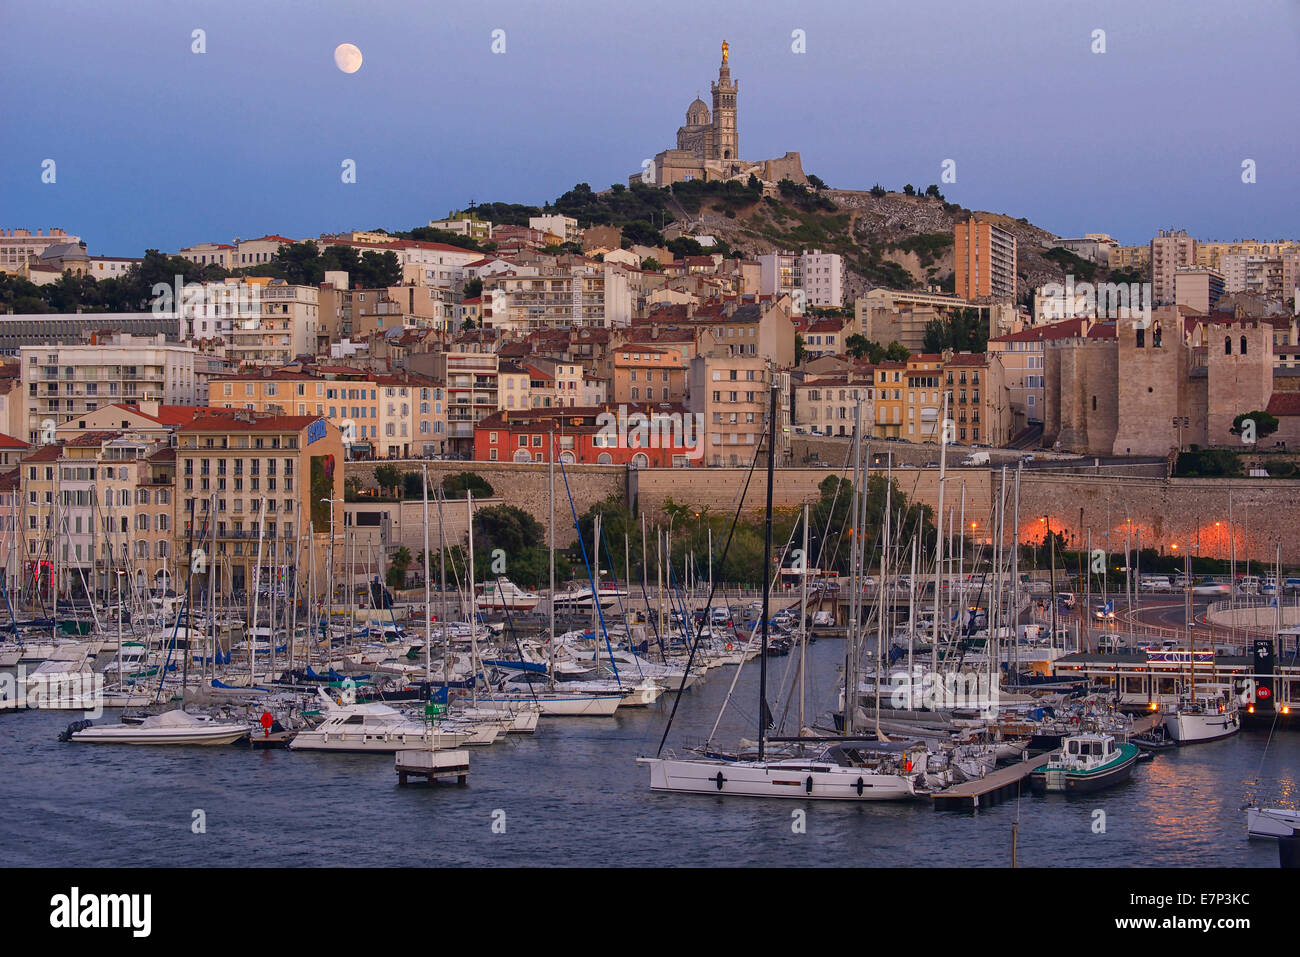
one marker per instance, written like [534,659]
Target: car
[1027,457]
[976,458]
[823,619]
[932,465]
[1067,598]
[1208,587]
[1154,583]
[1112,644]
[1105,612]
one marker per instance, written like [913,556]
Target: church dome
[697,114]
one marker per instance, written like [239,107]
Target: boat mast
[855,582]
[473,606]
[767,566]
[428,607]
[803,610]
[938,539]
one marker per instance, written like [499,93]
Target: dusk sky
[159,147]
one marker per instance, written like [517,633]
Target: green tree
[388,477]
[473,288]
[1265,424]
[455,486]
[800,353]
[897,352]
[397,567]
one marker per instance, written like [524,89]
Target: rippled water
[573,795]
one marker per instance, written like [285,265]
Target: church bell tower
[725,146]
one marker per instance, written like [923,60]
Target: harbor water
[572,795]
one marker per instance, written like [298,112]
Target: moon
[347,58]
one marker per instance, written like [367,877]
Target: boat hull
[559,706]
[1270,822]
[775,780]
[375,743]
[132,734]
[1197,728]
[1042,780]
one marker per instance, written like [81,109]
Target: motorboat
[170,727]
[374,728]
[504,595]
[1086,762]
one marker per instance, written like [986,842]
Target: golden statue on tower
[725,48]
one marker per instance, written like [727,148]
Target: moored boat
[1086,762]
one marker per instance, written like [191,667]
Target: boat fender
[807,785]
[909,766]
[860,787]
[719,780]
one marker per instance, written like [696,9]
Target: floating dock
[997,785]
[431,765]
[1002,783]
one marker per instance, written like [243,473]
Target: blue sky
[159,147]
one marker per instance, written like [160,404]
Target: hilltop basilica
[708,145]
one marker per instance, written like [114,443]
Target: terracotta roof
[1065,329]
[968,359]
[46,453]
[229,420]
[9,442]
[1284,403]
[167,414]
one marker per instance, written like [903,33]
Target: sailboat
[840,772]
[1207,713]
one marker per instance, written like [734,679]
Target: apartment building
[730,394]
[284,329]
[1254,273]
[581,294]
[816,275]
[645,374]
[265,490]
[1170,251]
[1198,287]
[61,382]
[828,405]
[591,436]
[984,261]
[469,226]
[565,227]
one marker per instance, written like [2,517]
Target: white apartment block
[819,275]
[566,227]
[284,329]
[469,226]
[61,382]
[557,297]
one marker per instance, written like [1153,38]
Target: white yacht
[374,728]
[1209,715]
[828,777]
[170,727]
[1272,821]
[504,594]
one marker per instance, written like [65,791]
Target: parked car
[1154,583]
[1112,644]
[976,458]
[1027,457]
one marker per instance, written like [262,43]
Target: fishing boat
[1086,762]
[170,727]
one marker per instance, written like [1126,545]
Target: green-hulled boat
[1086,762]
